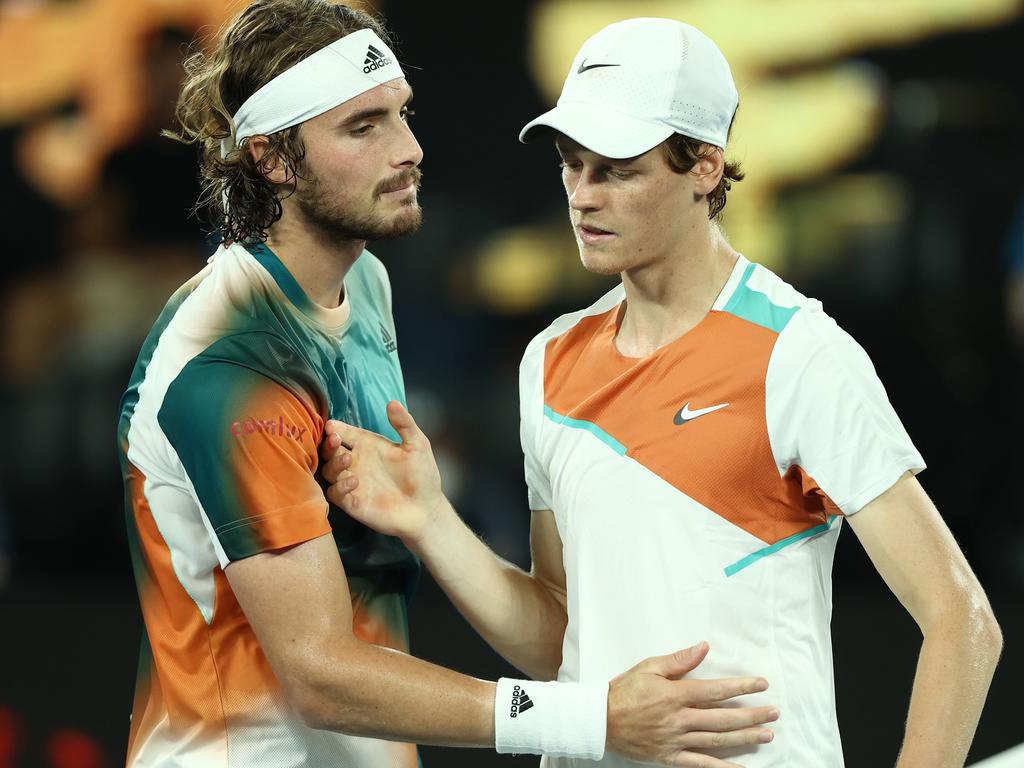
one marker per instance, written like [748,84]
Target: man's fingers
[676,664]
[348,434]
[352,504]
[339,497]
[701,691]
[697,760]
[347,481]
[329,445]
[403,422]
[728,719]
[715,740]
[334,466]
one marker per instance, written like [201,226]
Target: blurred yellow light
[792,127]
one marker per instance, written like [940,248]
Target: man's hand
[398,488]
[655,717]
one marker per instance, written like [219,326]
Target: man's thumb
[402,421]
[675,665]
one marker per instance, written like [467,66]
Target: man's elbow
[312,702]
[314,711]
[991,633]
[984,625]
[971,618]
[316,689]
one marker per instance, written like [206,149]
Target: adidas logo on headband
[375,60]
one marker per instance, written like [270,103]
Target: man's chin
[405,222]
[599,263]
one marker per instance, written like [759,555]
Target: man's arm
[299,607]
[395,488]
[920,561]
[298,604]
[521,615]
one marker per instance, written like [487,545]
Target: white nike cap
[636,82]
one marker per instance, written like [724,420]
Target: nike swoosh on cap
[584,67]
[685,414]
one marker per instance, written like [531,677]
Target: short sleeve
[828,415]
[248,446]
[531,411]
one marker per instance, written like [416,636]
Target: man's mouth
[402,183]
[592,235]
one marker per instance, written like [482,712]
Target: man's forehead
[384,96]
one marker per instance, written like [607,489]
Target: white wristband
[556,719]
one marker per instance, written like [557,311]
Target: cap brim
[608,133]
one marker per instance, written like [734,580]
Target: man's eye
[407,113]
[565,165]
[362,130]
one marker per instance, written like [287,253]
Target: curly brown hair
[683,153]
[267,38]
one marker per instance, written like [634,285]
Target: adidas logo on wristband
[572,721]
[520,701]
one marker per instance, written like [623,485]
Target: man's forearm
[367,690]
[517,615]
[957,661]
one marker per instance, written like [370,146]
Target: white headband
[336,73]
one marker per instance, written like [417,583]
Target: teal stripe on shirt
[752,558]
[757,307]
[588,426]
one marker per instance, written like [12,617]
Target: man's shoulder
[565,324]
[254,357]
[756,294]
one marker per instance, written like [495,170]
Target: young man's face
[628,213]
[362,167]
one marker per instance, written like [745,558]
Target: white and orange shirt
[219,433]
[699,492]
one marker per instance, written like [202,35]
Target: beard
[322,211]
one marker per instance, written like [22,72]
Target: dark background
[932,292]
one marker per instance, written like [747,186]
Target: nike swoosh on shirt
[584,67]
[685,414]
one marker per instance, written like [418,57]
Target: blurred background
[882,143]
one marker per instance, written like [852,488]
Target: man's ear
[270,164]
[708,170]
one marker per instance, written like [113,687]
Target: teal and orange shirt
[219,435]
[699,492]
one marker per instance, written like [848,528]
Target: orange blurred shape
[69,748]
[10,737]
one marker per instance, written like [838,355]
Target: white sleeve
[828,413]
[531,413]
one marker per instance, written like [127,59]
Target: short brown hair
[683,153]
[267,38]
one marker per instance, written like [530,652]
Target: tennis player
[694,442]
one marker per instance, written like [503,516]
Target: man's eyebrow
[366,114]
[369,114]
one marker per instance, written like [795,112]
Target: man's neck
[668,298]
[317,262]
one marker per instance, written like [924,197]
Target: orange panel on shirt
[200,675]
[274,439]
[723,459]
[182,677]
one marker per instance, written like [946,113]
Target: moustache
[401,181]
